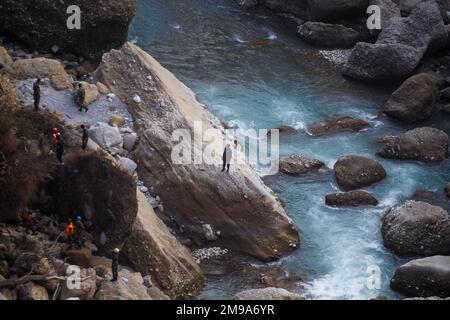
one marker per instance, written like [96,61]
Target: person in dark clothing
[37,93]
[79,97]
[84,138]
[115,264]
[30,223]
[227,154]
[78,232]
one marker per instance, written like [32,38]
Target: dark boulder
[355,172]
[42,24]
[330,10]
[93,187]
[427,277]
[400,46]
[414,100]
[298,165]
[337,125]
[328,35]
[353,198]
[422,144]
[417,228]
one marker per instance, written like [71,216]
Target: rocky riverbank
[123,185]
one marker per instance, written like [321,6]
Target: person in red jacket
[30,223]
[70,232]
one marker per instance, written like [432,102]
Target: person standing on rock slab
[115,264]
[79,97]
[84,138]
[227,154]
[37,93]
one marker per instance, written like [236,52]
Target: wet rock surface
[355,172]
[427,277]
[417,228]
[425,144]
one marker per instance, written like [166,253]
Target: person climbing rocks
[58,144]
[70,232]
[84,137]
[227,154]
[30,223]
[37,93]
[78,232]
[80,96]
[115,264]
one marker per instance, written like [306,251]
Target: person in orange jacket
[70,232]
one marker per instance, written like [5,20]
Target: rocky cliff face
[244,214]
[42,24]
[152,249]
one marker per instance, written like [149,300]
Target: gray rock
[107,137]
[267,294]
[417,228]
[389,10]
[355,172]
[208,232]
[129,141]
[414,100]
[400,46]
[128,165]
[422,144]
[328,35]
[425,277]
[87,289]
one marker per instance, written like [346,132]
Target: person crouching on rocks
[80,96]
[115,264]
[70,232]
[227,155]
[30,223]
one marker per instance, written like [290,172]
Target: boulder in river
[425,277]
[336,125]
[355,172]
[104,24]
[423,144]
[250,217]
[298,165]
[417,228]
[414,100]
[267,294]
[352,198]
[328,35]
[400,46]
